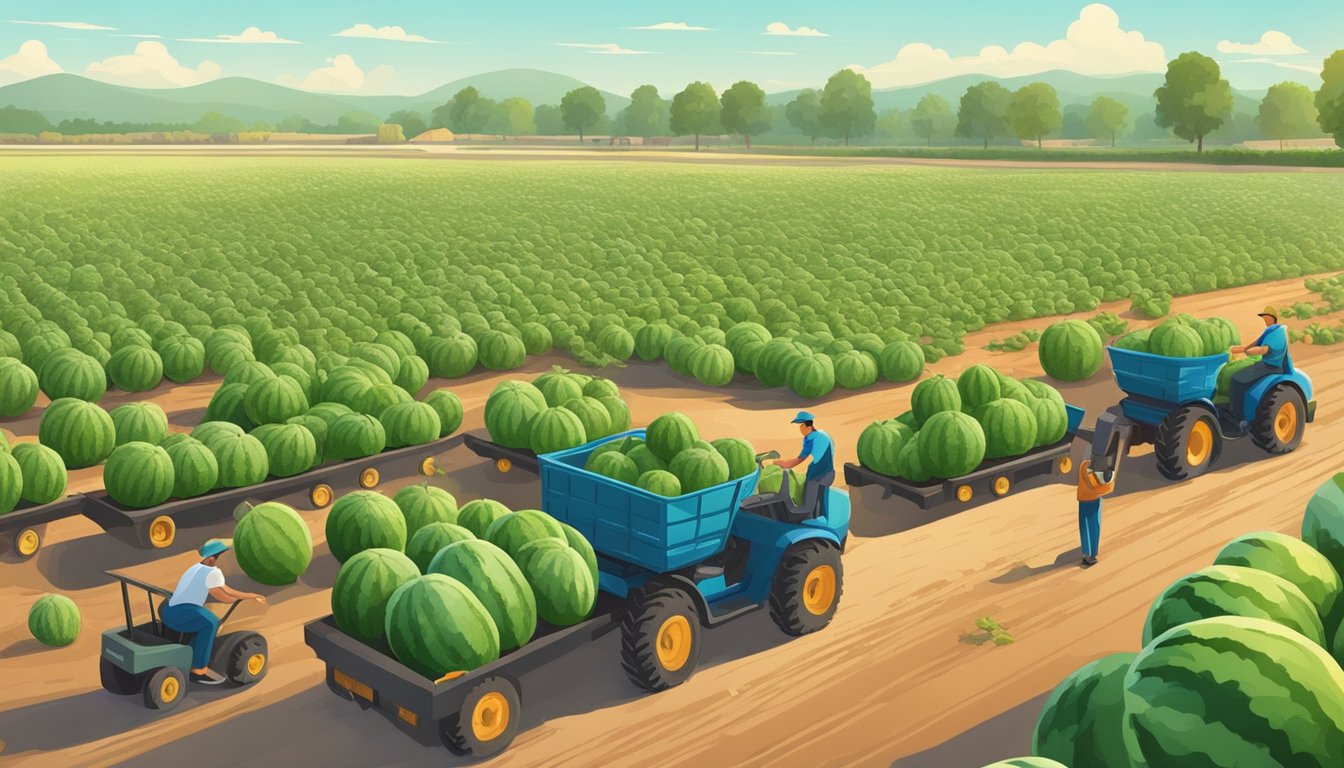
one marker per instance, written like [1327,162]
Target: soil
[901,670]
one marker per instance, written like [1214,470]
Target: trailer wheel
[27,542]
[1186,444]
[368,478]
[159,533]
[164,688]
[427,467]
[503,465]
[1065,465]
[807,587]
[1280,421]
[1002,486]
[117,680]
[486,722]
[660,638]
[320,496]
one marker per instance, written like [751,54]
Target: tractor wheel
[1280,421]
[486,722]
[248,660]
[807,587]
[660,638]
[164,688]
[117,680]
[27,541]
[1187,443]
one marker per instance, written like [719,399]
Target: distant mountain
[534,85]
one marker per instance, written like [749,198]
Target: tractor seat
[779,506]
[168,633]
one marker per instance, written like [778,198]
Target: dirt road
[901,669]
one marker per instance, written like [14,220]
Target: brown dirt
[900,671]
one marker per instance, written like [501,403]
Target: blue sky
[781,44]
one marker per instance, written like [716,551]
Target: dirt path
[900,671]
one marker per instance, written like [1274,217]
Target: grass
[1222,156]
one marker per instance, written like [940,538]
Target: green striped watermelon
[1323,529]
[951,444]
[242,460]
[580,544]
[515,529]
[435,625]
[880,445]
[501,351]
[1070,350]
[183,358]
[593,414]
[659,481]
[355,436]
[452,356]
[1013,389]
[1009,428]
[380,355]
[712,365]
[536,338]
[617,412]
[901,361]
[273,544]
[195,469]
[1052,420]
[478,515]
[290,448]
[934,395]
[449,408]
[556,429]
[410,423]
[1290,559]
[613,464]
[173,438]
[811,377]
[774,359]
[140,422]
[426,542]
[1136,341]
[274,401]
[855,369]
[330,412]
[557,387]
[1042,391]
[412,375]
[363,520]
[363,587]
[18,388]
[11,482]
[560,580]
[82,433]
[208,430]
[739,455]
[227,404]
[599,388]
[54,620]
[42,471]
[698,469]
[1175,339]
[380,397]
[1083,721]
[978,386]
[671,434]
[644,459]
[138,475]
[616,341]
[509,412]
[347,386]
[225,358]
[1216,337]
[318,429]
[651,339]
[422,504]
[1230,590]
[74,375]
[135,369]
[497,582]
[909,463]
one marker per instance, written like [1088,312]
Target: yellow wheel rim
[490,717]
[427,467]
[1199,445]
[28,542]
[162,531]
[320,496]
[1065,464]
[255,663]
[964,493]
[503,465]
[169,689]
[1285,422]
[674,643]
[368,478]
[819,590]
[1002,485]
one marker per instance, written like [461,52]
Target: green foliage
[412,123]
[847,106]
[1330,98]
[984,112]
[743,110]
[696,110]
[1194,99]
[1106,118]
[512,117]
[804,114]
[1034,113]
[582,108]
[932,118]
[1288,111]
[647,114]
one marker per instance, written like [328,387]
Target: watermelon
[412,375]
[739,455]
[509,412]
[207,431]
[195,469]
[382,356]
[1136,341]
[54,620]
[173,438]
[1216,337]
[138,475]
[773,361]
[580,544]
[659,481]
[557,387]
[909,464]
[1323,529]
[422,504]
[670,434]
[811,377]
[347,386]
[42,471]
[82,433]
[978,386]
[435,625]
[1174,339]
[621,445]
[11,482]
[274,400]
[479,514]
[616,341]
[227,404]
[617,412]
[183,358]
[135,369]
[497,582]
[1013,389]
[140,422]
[613,464]
[1042,391]
[318,429]
[560,580]
[599,388]
[18,388]
[242,460]
[290,448]
[225,358]
[712,365]
[536,338]
[880,444]
[330,412]
[364,584]
[593,414]
[249,373]
[901,361]
[511,531]
[651,339]
[1290,559]
[1223,386]
[363,520]
[1009,428]
[556,429]
[934,395]
[855,369]
[1052,420]
[1070,350]
[410,423]
[355,436]
[644,459]
[273,544]
[908,419]
[951,444]
[380,397]
[432,537]
[1235,691]
[698,469]
[75,375]
[1230,590]
[451,356]
[449,408]
[500,351]
[1083,721]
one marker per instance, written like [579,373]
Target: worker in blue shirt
[819,449]
[1272,346]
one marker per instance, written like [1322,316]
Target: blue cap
[213,547]
[803,416]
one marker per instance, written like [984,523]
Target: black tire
[1280,410]
[660,638]
[805,595]
[1179,459]
[487,721]
[249,660]
[117,680]
[164,688]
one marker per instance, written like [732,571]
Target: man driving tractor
[818,448]
[1272,346]
[186,611]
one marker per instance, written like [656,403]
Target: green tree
[548,120]
[412,123]
[1034,113]
[983,113]
[391,133]
[513,117]
[696,111]
[1288,111]
[743,110]
[804,114]
[1330,98]
[891,125]
[460,111]
[847,106]
[15,120]
[218,122]
[1195,99]
[1107,118]
[647,113]
[582,108]
[291,124]
[260,126]
[357,122]
[932,118]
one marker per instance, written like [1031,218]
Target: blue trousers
[1089,526]
[198,620]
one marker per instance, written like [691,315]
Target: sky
[399,47]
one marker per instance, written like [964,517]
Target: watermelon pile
[673,460]
[273,544]
[1240,660]
[1184,336]
[555,411]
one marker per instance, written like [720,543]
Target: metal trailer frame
[505,459]
[29,524]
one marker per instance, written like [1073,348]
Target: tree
[890,124]
[548,120]
[804,113]
[582,108]
[218,122]
[1106,118]
[1147,129]
[1330,99]
[1288,111]
[1034,112]
[847,106]
[15,120]
[983,113]
[932,117]
[513,117]
[412,123]
[390,133]
[260,126]
[357,122]
[696,111]
[743,110]
[647,113]
[1194,100]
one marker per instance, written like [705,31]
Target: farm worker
[1272,346]
[186,611]
[818,448]
[1092,486]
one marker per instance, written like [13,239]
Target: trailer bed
[22,529]
[505,459]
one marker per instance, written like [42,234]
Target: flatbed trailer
[23,528]
[505,459]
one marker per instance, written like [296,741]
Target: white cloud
[1094,45]
[780,28]
[80,25]
[249,36]
[342,75]
[151,66]
[30,61]
[1314,69]
[674,26]
[1272,43]
[611,49]
[397,34]
[767,53]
